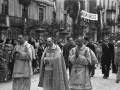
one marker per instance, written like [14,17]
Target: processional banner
[89,16]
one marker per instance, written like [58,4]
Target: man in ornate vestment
[81,59]
[53,75]
[117,61]
[22,68]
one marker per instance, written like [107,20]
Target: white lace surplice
[80,77]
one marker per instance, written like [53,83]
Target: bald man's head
[50,41]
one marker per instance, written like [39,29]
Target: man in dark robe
[40,52]
[107,54]
[89,44]
[67,47]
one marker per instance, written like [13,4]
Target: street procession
[59,44]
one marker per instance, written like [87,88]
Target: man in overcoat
[66,48]
[107,54]
[92,47]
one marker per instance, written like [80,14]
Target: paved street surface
[98,83]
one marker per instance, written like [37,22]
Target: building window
[5,7]
[41,14]
[24,11]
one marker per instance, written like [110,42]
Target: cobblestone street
[98,83]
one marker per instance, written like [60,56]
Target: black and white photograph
[59,44]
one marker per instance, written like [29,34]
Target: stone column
[98,2]
[59,9]
[1,1]
[117,13]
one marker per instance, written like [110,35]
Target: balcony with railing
[2,19]
[3,24]
[18,22]
[112,9]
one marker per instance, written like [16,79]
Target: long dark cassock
[107,52]
[92,47]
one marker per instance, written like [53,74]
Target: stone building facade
[111,16]
[11,16]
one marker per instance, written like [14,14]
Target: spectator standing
[9,48]
[107,54]
[40,51]
[99,54]
[60,44]
[66,48]
[3,66]
[89,43]
[31,41]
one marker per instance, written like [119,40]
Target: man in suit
[107,54]
[66,48]
[89,43]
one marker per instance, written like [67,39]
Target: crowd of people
[50,58]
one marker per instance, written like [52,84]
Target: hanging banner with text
[89,16]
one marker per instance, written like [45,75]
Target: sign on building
[89,16]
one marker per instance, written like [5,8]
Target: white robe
[80,75]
